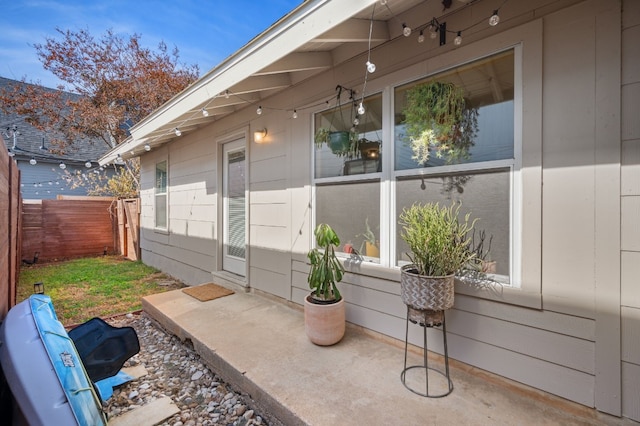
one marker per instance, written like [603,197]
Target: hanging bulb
[178,132]
[361,109]
[87,164]
[383,2]
[433,31]
[406,30]
[205,113]
[295,114]
[259,110]
[458,40]
[371,67]
[147,147]
[226,94]
[493,21]
[11,153]
[421,37]
[133,153]
[33,161]
[62,165]
[356,121]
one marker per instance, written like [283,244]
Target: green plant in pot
[440,245]
[341,143]
[324,310]
[439,120]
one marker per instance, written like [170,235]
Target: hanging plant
[437,120]
[342,143]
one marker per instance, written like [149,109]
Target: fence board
[9,234]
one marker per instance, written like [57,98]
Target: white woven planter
[423,292]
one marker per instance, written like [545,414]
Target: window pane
[161,211]
[349,208]
[161,177]
[486,126]
[485,195]
[346,142]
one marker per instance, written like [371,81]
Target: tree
[119,83]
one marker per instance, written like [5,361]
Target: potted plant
[440,245]
[341,143]
[324,310]
[438,119]
[482,250]
[369,245]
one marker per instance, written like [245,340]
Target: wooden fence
[68,227]
[9,230]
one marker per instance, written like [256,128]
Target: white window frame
[526,176]
[156,194]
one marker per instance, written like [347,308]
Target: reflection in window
[347,142]
[353,211]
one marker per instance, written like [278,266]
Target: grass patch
[100,286]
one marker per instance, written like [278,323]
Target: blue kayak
[43,369]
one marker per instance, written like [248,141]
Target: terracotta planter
[324,324]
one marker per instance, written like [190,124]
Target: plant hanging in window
[438,121]
[343,143]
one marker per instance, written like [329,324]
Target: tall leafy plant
[326,269]
[439,240]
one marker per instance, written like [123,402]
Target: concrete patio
[259,346]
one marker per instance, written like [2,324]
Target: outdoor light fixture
[38,288]
[87,164]
[205,113]
[260,135]
[33,161]
[178,132]
[62,165]
[147,147]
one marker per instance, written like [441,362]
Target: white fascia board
[308,21]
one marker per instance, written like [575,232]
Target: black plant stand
[425,324]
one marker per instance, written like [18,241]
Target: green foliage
[437,119]
[439,240]
[326,269]
[368,235]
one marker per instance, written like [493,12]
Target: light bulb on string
[421,37]
[383,2]
[356,121]
[178,132]
[226,94]
[361,109]
[87,164]
[147,147]
[259,110]
[33,161]
[433,31]
[371,67]
[458,40]
[495,19]
[62,165]
[406,30]
[205,113]
[295,114]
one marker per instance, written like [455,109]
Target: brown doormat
[206,292]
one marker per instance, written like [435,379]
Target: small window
[161,195]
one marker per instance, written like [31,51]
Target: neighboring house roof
[316,36]
[31,142]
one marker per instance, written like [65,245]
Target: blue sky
[205,32]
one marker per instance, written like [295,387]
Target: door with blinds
[234,196]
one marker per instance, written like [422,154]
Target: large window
[472,160]
[161,195]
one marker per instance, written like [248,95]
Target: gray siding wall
[572,346]
[630,202]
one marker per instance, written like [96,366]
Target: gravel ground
[177,371]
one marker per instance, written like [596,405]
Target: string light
[259,110]
[33,161]
[433,30]
[495,19]
[87,164]
[295,114]
[371,67]
[62,165]
[361,109]
[458,40]
[421,37]
[147,147]
[406,30]
[205,113]
[178,132]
